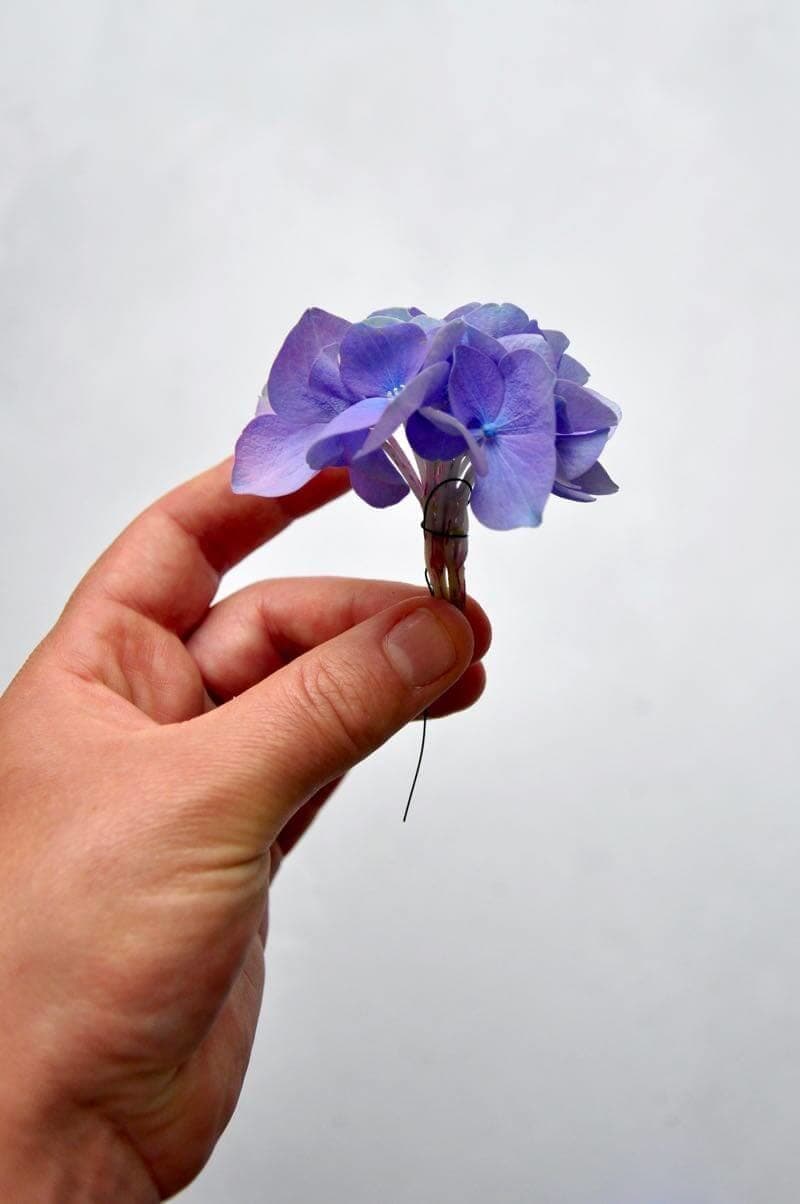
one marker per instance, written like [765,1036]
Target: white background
[573,976]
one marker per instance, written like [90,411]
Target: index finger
[169,562]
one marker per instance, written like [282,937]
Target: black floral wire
[439,535]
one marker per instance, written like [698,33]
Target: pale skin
[159,756]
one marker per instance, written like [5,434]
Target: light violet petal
[571,493]
[462,309]
[271,456]
[426,323]
[481,341]
[570,369]
[558,342]
[577,453]
[496,319]
[328,445]
[514,491]
[377,481]
[606,401]
[325,380]
[443,342]
[528,342]
[426,387]
[381,320]
[528,403]
[287,386]
[476,387]
[581,410]
[392,311]
[596,480]
[430,442]
[450,425]
[377,361]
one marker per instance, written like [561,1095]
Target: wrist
[79,1160]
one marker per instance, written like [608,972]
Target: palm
[188,1094]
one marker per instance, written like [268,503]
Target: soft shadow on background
[573,976]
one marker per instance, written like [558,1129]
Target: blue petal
[581,410]
[287,387]
[462,309]
[518,482]
[271,456]
[325,381]
[431,443]
[481,341]
[572,493]
[427,323]
[392,311]
[330,444]
[558,342]
[444,341]
[528,341]
[475,388]
[596,480]
[577,453]
[375,479]
[423,389]
[449,425]
[377,361]
[570,369]
[528,403]
[496,319]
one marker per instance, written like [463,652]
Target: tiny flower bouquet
[496,417]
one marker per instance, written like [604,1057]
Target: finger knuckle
[340,704]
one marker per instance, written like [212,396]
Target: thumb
[273,747]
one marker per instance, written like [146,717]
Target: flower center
[489,429]
[393,392]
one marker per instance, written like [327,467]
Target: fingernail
[420,648]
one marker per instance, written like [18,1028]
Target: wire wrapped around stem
[445,521]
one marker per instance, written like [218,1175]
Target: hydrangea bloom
[488,401]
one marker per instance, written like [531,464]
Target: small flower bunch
[496,416]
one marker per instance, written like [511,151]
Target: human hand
[158,757]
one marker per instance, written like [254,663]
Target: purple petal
[377,361]
[577,453]
[426,387]
[430,442]
[462,309]
[271,456]
[571,493]
[596,480]
[481,341]
[475,388]
[608,403]
[392,311]
[528,401]
[426,323]
[325,380]
[581,410]
[449,425]
[287,387]
[518,482]
[558,342]
[330,444]
[528,342]
[570,369]
[444,341]
[496,319]
[377,481]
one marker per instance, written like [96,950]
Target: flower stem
[447,487]
[404,466]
